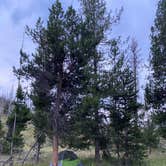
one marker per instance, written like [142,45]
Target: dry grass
[157,158]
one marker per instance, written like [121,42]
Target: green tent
[68,158]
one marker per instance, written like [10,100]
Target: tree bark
[118,154]
[38,153]
[56,120]
[55,151]
[11,146]
[118,146]
[97,152]
[150,150]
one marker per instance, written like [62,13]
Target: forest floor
[157,158]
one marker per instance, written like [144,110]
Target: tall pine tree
[56,70]
[157,84]
[123,107]
[151,138]
[97,23]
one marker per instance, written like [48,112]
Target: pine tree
[39,117]
[135,64]
[56,68]
[17,120]
[151,138]
[139,114]
[123,108]
[39,120]
[96,22]
[157,87]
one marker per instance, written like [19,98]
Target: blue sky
[136,20]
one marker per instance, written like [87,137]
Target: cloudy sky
[136,20]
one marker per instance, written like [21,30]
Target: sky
[136,21]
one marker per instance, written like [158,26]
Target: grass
[149,162]
[156,162]
[158,157]
[90,162]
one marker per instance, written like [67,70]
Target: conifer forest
[82,88]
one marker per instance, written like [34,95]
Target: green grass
[158,157]
[160,162]
[156,160]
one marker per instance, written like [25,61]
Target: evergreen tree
[123,108]
[150,135]
[56,70]
[17,120]
[157,84]
[96,22]
[39,117]
[135,65]
[39,120]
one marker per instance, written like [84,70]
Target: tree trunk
[126,155]
[56,121]
[12,142]
[38,152]
[118,154]
[55,151]
[150,150]
[97,152]
[118,148]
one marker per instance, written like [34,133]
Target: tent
[68,158]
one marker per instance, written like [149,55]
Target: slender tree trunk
[97,152]
[118,148]
[118,153]
[38,152]
[13,132]
[55,150]
[150,150]
[56,120]
[135,52]
[97,146]
[126,157]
